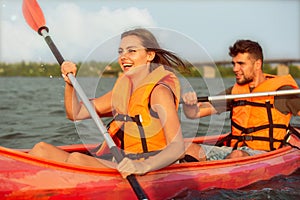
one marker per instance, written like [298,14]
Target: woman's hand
[66,68]
[128,166]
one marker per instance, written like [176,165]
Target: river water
[32,110]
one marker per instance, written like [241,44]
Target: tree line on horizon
[92,68]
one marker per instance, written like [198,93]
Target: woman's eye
[121,51]
[131,50]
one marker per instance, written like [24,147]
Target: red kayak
[23,176]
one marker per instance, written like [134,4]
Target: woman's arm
[75,110]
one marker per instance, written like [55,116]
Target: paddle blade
[33,14]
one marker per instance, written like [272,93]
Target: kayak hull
[23,176]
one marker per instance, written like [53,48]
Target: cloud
[74,30]
[18,42]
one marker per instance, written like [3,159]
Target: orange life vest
[141,131]
[255,121]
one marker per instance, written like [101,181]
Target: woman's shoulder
[162,93]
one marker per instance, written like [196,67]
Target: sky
[196,30]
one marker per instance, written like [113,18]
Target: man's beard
[244,81]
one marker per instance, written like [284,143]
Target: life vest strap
[127,118]
[138,156]
[244,138]
[258,128]
[137,119]
[271,129]
[245,102]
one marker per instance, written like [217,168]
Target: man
[257,124]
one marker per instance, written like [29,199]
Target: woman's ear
[150,55]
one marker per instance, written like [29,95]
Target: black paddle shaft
[51,45]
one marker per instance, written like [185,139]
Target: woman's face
[132,54]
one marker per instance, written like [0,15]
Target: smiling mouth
[127,66]
[238,75]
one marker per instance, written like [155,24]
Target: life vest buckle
[249,130]
[242,103]
[140,118]
[247,138]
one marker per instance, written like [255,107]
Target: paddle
[247,95]
[35,19]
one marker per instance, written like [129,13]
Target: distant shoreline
[94,69]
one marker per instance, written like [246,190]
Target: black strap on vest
[246,131]
[138,156]
[137,120]
[152,112]
[245,102]
[271,128]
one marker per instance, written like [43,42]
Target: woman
[144,104]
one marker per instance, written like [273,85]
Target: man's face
[243,68]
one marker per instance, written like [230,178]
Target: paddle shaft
[247,95]
[113,148]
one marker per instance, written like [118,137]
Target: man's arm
[194,109]
[288,103]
